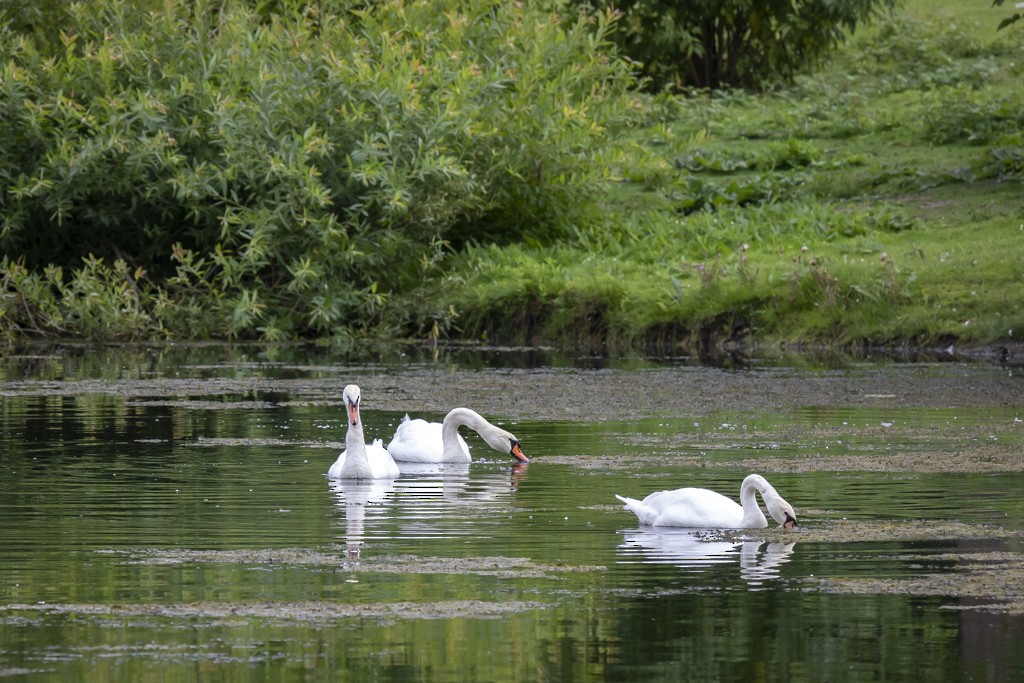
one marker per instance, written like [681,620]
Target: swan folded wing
[420,441]
[416,441]
[701,508]
[334,472]
[687,507]
[381,463]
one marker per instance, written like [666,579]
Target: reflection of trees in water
[688,550]
[421,501]
[989,645]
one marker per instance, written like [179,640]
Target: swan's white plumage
[359,461]
[706,509]
[421,441]
[378,458]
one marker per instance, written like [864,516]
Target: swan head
[351,396]
[778,508]
[506,442]
[517,451]
[781,511]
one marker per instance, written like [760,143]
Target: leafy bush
[722,43]
[1006,158]
[903,55]
[41,19]
[694,194]
[977,117]
[289,171]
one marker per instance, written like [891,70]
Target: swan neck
[355,445]
[752,514]
[456,418]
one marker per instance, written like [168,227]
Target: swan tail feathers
[642,512]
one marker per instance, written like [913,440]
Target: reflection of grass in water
[315,611]
[995,577]
[861,531]
[505,567]
[227,442]
[987,459]
[284,611]
[965,448]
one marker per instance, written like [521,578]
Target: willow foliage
[282,172]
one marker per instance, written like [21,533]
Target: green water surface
[179,537]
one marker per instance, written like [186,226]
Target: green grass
[878,201]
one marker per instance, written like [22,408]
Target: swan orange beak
[353,413]
[517,452]
[789,523]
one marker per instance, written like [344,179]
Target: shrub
[722,43]
[979,117]
[1006,160]
[902,56]
[313,161]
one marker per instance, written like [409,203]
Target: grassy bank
[484,170]
[876,202]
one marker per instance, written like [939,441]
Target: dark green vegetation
[482,170]
[877,202]
[226,171]
[730,43]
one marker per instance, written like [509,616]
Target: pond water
[164,515]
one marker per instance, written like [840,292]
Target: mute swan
[706,509]
[422,441]
[359,461]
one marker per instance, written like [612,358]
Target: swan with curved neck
[422,441]
[706,509]
[359,461]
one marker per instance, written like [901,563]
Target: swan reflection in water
[357,498]
[429,484]
[759,561]
[421,501]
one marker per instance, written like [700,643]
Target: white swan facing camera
[359,461]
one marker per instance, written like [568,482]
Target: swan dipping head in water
[706,509]
[421,441]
